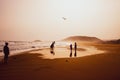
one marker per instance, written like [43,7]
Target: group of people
[71,49]
[7,52]
[75,49]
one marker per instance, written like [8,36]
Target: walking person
[70,50]
[75,47]
[6,52]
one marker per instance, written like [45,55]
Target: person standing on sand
[52,48]
[52,45]
[70,50]
[6,52]
[75,47]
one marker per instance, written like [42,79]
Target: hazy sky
[42,19]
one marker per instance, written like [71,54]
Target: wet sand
[64,52]
[33,66]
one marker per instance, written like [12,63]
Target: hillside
[82,38]
[112,41]
[37,41]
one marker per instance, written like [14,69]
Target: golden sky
[42,19]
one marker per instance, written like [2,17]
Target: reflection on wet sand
[52,52]
[65,52]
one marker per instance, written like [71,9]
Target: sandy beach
[59,39]
[32,65]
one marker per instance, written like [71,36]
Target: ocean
[21,46]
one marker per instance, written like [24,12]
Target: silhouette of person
[6,52]
[70,50]
[52,48]
[75,47]
[52,45]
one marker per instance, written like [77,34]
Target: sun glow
[43,19]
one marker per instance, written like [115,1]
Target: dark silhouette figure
[52,48]
[75,47]
[70,50]
[6,52]
[52,45]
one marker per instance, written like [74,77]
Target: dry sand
[27,66]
